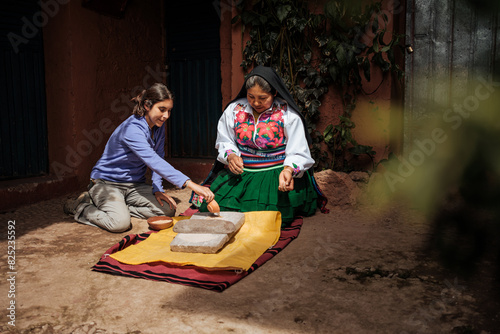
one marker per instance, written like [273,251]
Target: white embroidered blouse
[278,126]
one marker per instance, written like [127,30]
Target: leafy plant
[316,51]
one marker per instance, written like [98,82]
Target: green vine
[316,51]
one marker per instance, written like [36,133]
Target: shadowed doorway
[23,115]
[193,56]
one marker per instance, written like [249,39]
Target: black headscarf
[270,75]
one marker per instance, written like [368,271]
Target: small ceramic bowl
[160,222]
[213,207]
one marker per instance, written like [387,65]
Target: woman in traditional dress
[263,143]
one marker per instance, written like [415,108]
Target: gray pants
[114,203]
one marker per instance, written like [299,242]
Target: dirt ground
[354,270]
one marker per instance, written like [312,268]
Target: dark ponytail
[149,97]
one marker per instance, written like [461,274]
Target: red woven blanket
[217,280]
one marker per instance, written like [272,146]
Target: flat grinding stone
[208,243]
[214,226]
[198,242]
[236,218]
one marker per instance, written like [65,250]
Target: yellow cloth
[260,231]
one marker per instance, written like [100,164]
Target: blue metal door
[193,53]
[23,124]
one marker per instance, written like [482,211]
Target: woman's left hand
[285,180]
[164,197]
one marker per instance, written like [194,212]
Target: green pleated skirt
[258,191]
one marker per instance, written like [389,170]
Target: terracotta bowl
[160,222]
[213,207]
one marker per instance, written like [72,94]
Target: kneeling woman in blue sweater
[118,189]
